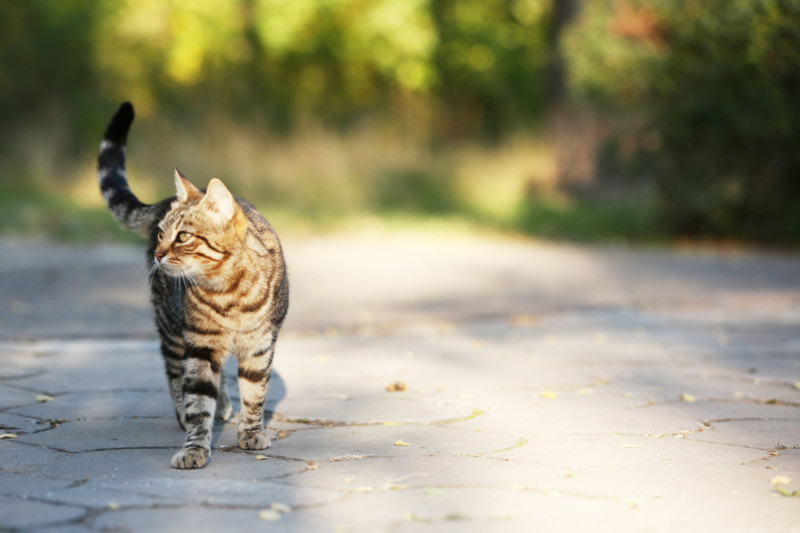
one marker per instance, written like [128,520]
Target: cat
[219,287]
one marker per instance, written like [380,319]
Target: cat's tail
[113,180]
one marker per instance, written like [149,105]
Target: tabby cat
[218,286]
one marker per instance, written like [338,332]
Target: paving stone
[392,473]
[617,450]
[27,514]
[763,434]
[107,434]
[95,405]
[181,519]
[16,457]
[376,408]
[325,443]
[470,508]
[132,466]
[555,406]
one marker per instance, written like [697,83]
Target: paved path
[547,388]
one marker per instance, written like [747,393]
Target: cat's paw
[181,419]
[224,412]
[190,458]
[254,441]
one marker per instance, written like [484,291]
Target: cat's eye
[160,235]
[184,236]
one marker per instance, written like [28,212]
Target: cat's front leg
[202,369]
[254,372]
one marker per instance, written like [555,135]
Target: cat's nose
[159,256]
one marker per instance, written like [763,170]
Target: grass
[32,213]
[317,182]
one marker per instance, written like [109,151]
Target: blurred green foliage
[460,66]
[707,95]
[418,106]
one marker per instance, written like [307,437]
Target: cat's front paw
[254,441]
[190,458]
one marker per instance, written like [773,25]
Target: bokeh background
[605,120]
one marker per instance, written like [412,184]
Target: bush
[710,91]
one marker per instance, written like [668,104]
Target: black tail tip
[117,130]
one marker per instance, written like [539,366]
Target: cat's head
[199,232]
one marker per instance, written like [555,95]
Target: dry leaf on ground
[260,457]
[401,443]
[688,398]
[269,515]
[280,507]
[8,436]
[43,398]
[397,386]
[548,395]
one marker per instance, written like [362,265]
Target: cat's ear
[185,189]
[219,201]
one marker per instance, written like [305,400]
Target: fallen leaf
[780,480]
[269,515]
[548,395]
[524,320]
[280,507]
[260,457]
[8,436]
[797,385]
[43,398]
[401,443]
[312,466]
[112,505]
[688,398]
[397,386]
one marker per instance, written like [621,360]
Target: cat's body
[218,287]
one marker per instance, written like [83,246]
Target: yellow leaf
[688,398]
[780,480]
[269,515]
[797,385]
[280,507]
[260,457]
[548,395]
[312,466]
[401,443]
[43,398]
[8,436]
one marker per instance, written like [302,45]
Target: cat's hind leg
[173,352]
[224,406]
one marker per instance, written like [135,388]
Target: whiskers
[181,277]
[184,280]
[151,272]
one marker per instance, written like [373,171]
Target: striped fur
[218,288]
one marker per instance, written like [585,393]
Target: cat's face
[199,233]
